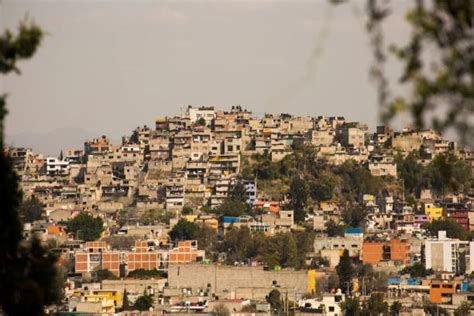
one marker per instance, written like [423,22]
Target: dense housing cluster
[215,210]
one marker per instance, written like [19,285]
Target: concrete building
[443,254]
[205,112]
[240,282]
[328,304]
[395,250]
[56,167]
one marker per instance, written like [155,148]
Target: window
[331,308]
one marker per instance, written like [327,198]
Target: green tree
[354,215]
[282,249]
[299,194]
[85,227]
[395,308]
[184,230]
[435,309]
[31,210]
[233,208]
[105,274]
[417,270]
[463,310]
[143,303]
[236,244]
[323,188]
[351,307]
[207,239]
[375,305]
[345,272]
[147,274]
[333,229]
[412,173]
[201,122]
[238,191]
[448,174]
[126,301]
[304,245]
[453,229]
[28,275]
[187,210]
[274,298]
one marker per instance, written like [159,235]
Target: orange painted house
[441,292]
[393,250]
[372,252]
[272,206]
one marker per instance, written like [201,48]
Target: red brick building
[147,254]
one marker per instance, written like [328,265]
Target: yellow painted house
[435,213]
[110,300]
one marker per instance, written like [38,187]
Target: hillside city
[224,212]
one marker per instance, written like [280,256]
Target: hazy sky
[106,67]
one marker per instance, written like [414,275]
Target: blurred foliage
[29,278]
[437,62]
[444,174]
[31,210]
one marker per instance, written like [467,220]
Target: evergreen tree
[126,301]
[345,272]
[299,193]
[274,298]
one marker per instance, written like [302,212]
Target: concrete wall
[245,282]
[134,286]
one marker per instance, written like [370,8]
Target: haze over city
[106,67]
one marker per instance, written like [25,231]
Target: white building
[443,254]
[205,112]
[54,166]
[328,305]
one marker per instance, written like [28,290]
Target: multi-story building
[444,254]
[395,250]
